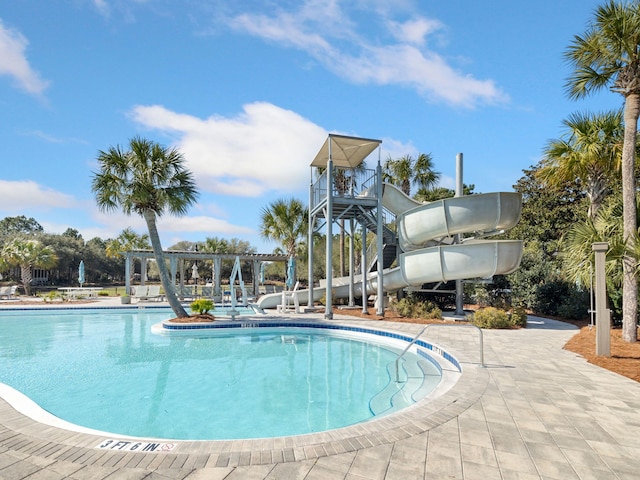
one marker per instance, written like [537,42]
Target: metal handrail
[415,339]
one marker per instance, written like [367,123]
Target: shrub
[519,317]
[202,305]
[103,293]
[403,307]
[549,297]
[51,296]
[575,305]
[412,307]
[491,317]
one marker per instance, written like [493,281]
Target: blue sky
[249,90]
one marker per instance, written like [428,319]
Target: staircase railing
[415,339]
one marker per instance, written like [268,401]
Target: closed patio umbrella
[81,273]
[291,272]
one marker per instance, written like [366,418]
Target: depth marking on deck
[143,447]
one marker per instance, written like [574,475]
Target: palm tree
[406,170]
[27,254]
[285,221]
[149,180]
[589,151]
[607,55]
[127,240]
[577,252]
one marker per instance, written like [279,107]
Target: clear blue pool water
[107,371]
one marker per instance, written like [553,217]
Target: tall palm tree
[607,55]
[590,151]
[149,180]
[285,221]
[27,253]
[406,170]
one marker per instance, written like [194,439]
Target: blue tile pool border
[292,324]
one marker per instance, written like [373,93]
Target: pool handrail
[419,334]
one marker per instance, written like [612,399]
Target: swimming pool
[105,370]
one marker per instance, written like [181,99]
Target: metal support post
[603,314]
[459,193]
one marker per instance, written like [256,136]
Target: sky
[249,90]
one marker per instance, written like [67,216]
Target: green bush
[103,293]
[549,297]
[202,305]
[575,305]
[410,307]
[491,317]
[519,317]
[404,307]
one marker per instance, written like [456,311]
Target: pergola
[177,259]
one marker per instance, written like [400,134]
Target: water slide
[425,232]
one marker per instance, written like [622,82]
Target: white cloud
[201,224]
[13,62]
[331,38]
[103,7]
[262,149]
[110,224]
[414,31]
[18,196]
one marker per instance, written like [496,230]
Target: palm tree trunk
[630,283]
[169,291]
[25,276]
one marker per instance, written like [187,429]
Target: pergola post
[127,273]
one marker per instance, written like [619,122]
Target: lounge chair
[154,293]
[8,292]
[139,292]
[147,293]
[290,301]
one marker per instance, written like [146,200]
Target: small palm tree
[285,221]
[149,180]
[577,252]
[127,240]
[607,55]
[27,254]
[406,170]
[590,151]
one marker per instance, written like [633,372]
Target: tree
[126,241]
[285,221]
[607,54]
[69,251]
[590,151]
[20,225]
[149,180]
[547,212]
[577,251]
[406,170]
[27,253]
[426,195]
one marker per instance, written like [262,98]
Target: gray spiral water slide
[423,232]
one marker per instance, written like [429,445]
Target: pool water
[107,371]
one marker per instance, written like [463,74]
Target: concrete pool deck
[536,412]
